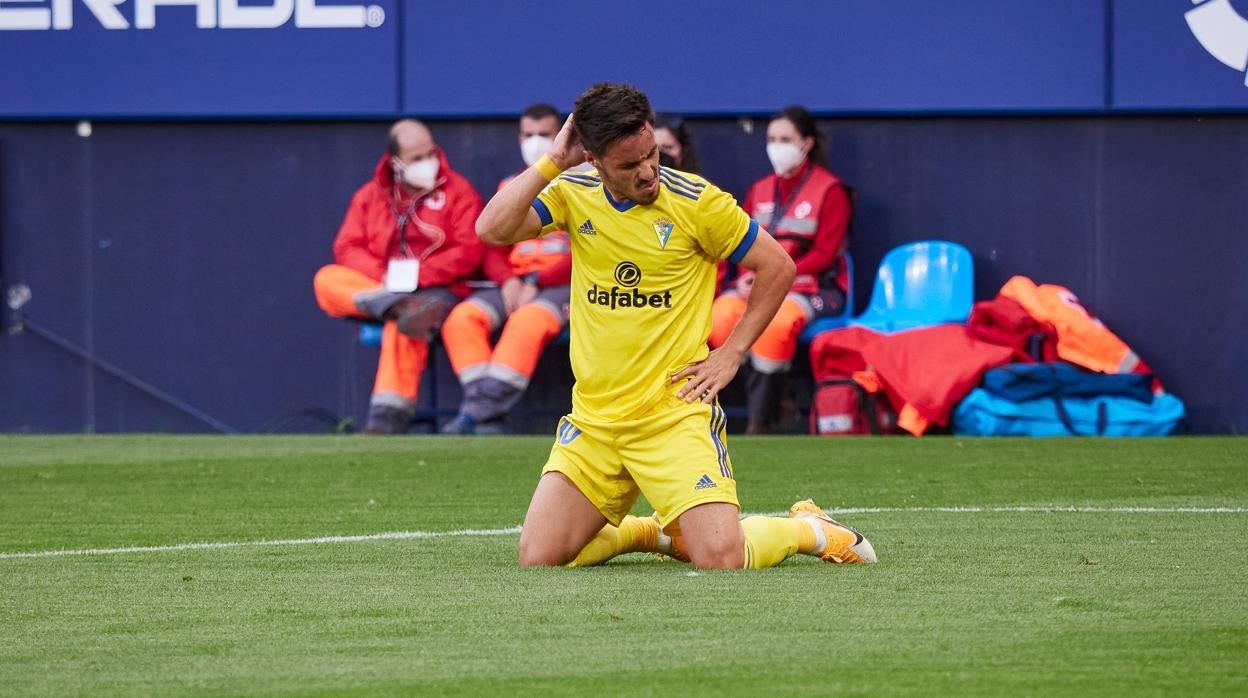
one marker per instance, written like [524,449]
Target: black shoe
[462,424]
[383,419]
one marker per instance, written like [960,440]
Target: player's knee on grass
[713,537]
[546,551]
[723,550]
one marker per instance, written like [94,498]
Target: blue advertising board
[1180,54]
[467,58]
[711,56]
[198,58]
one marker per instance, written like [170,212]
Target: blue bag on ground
[1020,382]
[1063,400]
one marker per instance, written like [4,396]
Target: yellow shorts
[677,457]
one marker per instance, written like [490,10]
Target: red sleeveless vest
[796,225]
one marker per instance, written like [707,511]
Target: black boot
[763,392]
[490,399]
[384,419]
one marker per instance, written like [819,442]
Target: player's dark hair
[540,110]
[676,124]
[609,112]
[807,128]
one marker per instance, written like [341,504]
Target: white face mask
[534,147]
[784,156]
[422,174]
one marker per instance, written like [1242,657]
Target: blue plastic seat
[836,322]
[370,334]
[921,284]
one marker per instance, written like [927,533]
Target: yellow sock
[770,540]
[634,535]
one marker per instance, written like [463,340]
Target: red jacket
[926,371]
[441,232]
[932,368]
[814,224]
[550,256]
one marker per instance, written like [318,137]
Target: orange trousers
[402,359]
[526,332]
[775,348]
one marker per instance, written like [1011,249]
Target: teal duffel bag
[983,414]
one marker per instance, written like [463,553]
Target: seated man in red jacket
[530,304]
[402,257]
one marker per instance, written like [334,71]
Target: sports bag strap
[1063,415]
[867,404]
[1102,418]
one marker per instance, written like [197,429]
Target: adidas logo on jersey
[705,482]
[587,228]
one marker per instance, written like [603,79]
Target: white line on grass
[393,535]
[512,530]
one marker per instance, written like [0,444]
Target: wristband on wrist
[547,167]
[530,278]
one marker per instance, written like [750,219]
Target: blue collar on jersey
[620,206]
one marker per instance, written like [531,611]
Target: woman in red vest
[807,209]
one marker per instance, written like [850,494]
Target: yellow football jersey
[643,280]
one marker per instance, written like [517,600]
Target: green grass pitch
[1007,567]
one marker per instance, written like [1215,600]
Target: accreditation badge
[403,275]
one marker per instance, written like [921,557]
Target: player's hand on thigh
[706,378]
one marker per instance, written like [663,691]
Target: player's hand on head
[706,378]
[567,150]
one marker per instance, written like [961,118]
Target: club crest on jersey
[664,229]
[587,228]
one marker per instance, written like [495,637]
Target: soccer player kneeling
[646,240]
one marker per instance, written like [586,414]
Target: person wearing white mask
[807,209]
[529,304]
[403,257]
[538,125]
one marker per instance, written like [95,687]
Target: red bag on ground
[842,407]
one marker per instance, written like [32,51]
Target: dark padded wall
[182,253]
